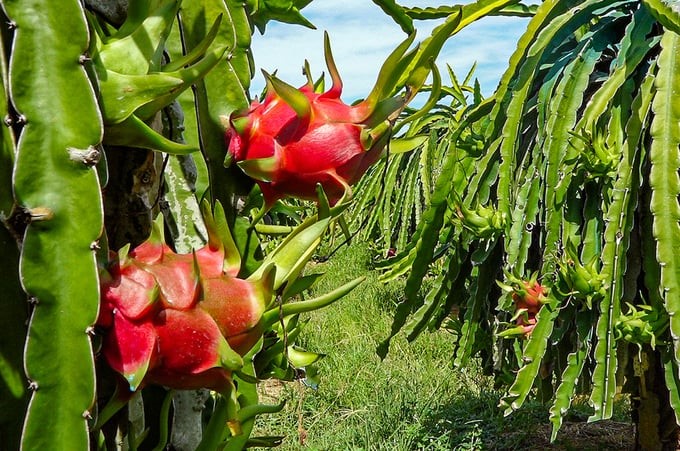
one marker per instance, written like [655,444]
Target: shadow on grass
[475,422]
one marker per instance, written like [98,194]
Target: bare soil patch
[601,435]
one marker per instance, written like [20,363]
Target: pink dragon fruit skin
[298,138]
[241,321]
[324,148]
[180,320]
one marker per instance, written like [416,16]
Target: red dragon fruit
[528,299]
[531,297]
[179,320]
[298,138]
[528,296]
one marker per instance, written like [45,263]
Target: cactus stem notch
[17,222]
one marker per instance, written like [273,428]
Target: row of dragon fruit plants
[546,216]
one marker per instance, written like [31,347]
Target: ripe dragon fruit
[298,138]
[528,296]
[531,297]
[528,301]
[179,320]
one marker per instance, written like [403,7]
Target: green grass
[412,400]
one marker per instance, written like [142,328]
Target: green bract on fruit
[298,138]
[180,320]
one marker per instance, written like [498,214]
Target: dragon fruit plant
[112,88]
[102,135]
[579,158]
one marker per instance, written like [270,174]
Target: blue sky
[362,36]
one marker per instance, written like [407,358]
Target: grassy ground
[413,399]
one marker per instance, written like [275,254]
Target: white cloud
[361,38]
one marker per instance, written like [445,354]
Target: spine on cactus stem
[60,194]
[13,393]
